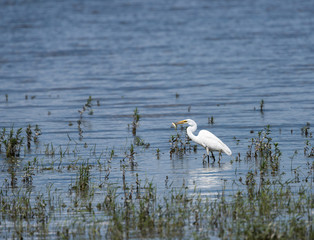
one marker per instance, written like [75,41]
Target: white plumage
[206,139]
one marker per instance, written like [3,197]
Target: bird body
[205,138]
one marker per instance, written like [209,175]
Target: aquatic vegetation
[211,120]
[180,146]
[263,149]
[29,136]
[80,130]
[158,153]
[32,137]
[12,142]
[136,119]
[37,133]
[261,106]
[49,150]
[305,131]
[137,210]
[87,107]
[82,181]
[129,159]
[237,140]
[180,143]
[140,142]
[308,149]
[96,205]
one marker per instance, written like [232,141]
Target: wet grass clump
[12,142]
[140,142]
[180,146]
[32,135]
[265,151]
[136,119]
[305,131]
[82,181]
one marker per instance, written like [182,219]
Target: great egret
[205,138]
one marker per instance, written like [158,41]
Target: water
[221,58]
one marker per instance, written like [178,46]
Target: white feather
[205,138]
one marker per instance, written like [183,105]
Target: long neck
[190,130]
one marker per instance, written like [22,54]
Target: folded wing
[207,139]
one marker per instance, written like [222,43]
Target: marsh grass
[87,107]
[140,142]
[267,211]
[82,182]
[265,151]
[180,144]
[96,206]
[261,106]
[211,120]
[136,119]
[305,131]
[12,142]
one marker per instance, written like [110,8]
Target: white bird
[205,138]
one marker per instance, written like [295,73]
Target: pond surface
[171,61]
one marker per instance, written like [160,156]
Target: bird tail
[227,150]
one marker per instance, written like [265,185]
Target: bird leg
[204,156]
[212,156]
[207,150]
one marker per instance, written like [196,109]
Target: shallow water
[170,60]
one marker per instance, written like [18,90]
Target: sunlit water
[171,60]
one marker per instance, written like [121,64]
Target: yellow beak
[180,122]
